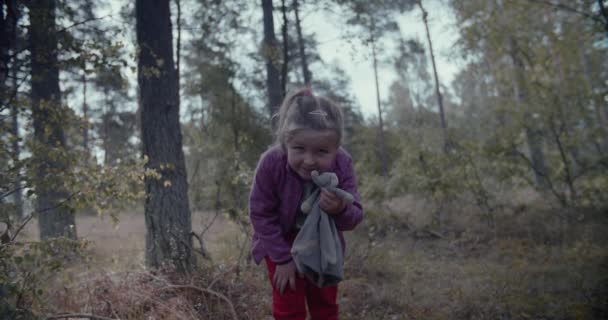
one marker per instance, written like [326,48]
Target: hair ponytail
[301,109]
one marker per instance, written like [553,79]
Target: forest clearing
[454,152]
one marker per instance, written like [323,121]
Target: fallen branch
[208,291]
[77,315]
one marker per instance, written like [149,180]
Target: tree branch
[77,315]
[41,211]
[82,22]
[564,7]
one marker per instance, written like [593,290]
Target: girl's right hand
[285,274]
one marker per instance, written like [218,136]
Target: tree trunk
[595,99]
[444,124]
[534,135]
[85,112]
[178,50]
[301,45]
[16,148]
[381,142]
[10,26]
[272,55]
[285,64]
[604,14]
[55,218]
[167,211]
[105,126]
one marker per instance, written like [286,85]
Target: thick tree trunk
[301,45]
[55,218]
[168,220]
[272,55]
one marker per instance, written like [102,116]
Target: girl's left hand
[331,203]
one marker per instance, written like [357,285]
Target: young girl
[309,133]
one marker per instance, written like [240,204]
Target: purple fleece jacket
[276,195]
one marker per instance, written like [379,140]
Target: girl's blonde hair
[303,110]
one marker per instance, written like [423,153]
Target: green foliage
[517,82]
[28,269]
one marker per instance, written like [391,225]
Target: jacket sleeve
[353,213]
[264,213]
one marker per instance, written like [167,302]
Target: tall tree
[541,87]
[301,44]
[376,20]
[226,132]
[285,62]
[9,68]
[534,135]
[272,55]
[444,124]
[55,219]
[167,211]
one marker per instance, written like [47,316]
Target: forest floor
[531,266]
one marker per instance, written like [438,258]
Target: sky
[359,68]
[352,58]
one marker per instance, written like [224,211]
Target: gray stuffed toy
[317,250]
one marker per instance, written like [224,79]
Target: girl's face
[309,150]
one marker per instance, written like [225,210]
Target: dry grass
[534,263]
[120,246]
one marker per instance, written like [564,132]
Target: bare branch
[25,222]
[41,211]
[82,22]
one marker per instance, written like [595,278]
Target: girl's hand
[285,274]
[331,203]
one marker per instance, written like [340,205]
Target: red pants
[291,305]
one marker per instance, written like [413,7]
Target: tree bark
[301,45]
[271,55]
[48,115]
[167,211]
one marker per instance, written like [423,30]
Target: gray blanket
[317,250]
